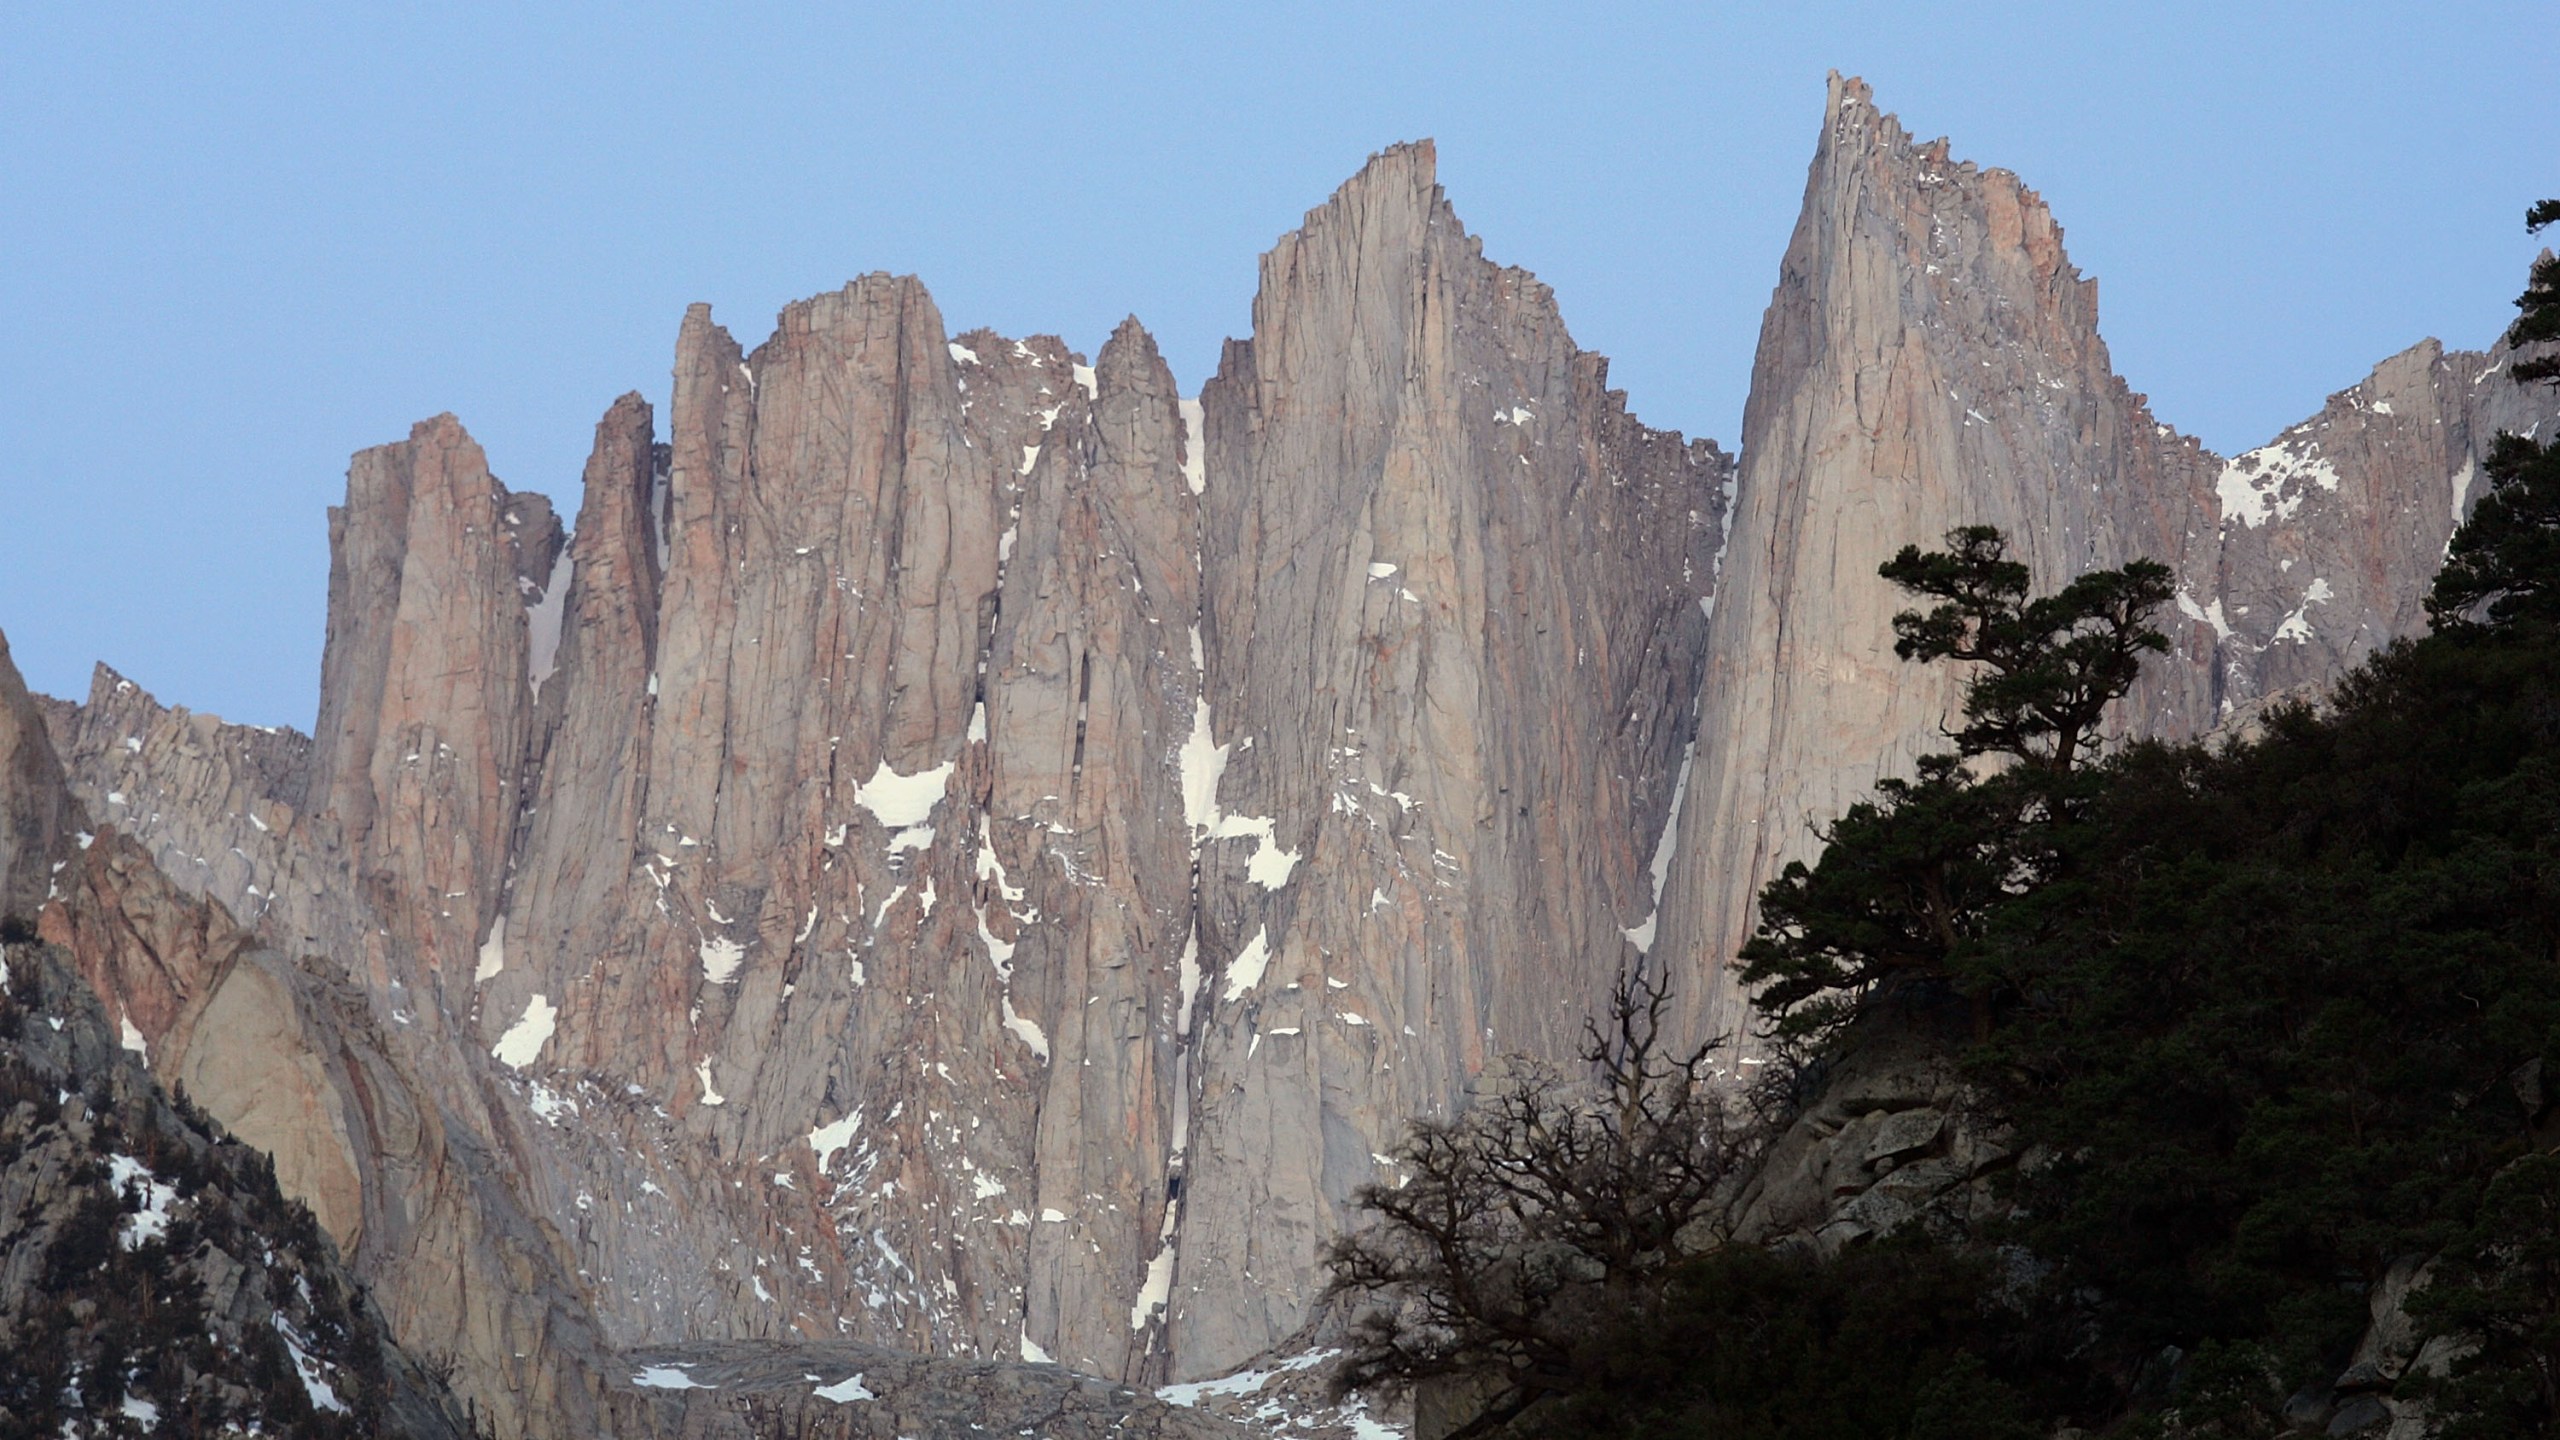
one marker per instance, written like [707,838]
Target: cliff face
[966,848]
[1451,633]
[1931,359]
[970,850]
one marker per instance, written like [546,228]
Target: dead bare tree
[1546,1215]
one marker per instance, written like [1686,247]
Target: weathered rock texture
[1931,359]
[970,850]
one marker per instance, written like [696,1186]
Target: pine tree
[2504,564]
[1906,880]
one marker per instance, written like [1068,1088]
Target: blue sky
[240,242]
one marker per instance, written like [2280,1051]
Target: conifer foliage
[1907,880]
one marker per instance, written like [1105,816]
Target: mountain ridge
[969,849]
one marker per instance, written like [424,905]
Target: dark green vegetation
[1911,879]
[2270,1020]
[120,1316]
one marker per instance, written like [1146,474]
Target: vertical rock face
[426,692]
[1452,632]
[36,812]
[1931,359]
[971,850]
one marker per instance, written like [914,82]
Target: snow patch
[1085,378]
[315,1383]
[1245,971]
[999,952]
[1025,1030]
[1190,972]
[827,1140]
[2252,487]
[132,1038]
[151,1221]
[542,621]
[845,1392]
[1157,1290]
[1195,447]
[493,952]
[702,1072]
[2296,628]
[720,959]
[960,354]
[668,1377]
[1664,849]
[1380,570]
[1203,764]
[524,1039]
[1243,1382]
[899,801]
[2205,614]
[1032,1354]
[992,868]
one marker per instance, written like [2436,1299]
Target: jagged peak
[443,430]
[1412,165]
[1130,350]
[1399,184]
[869,287]
[1882,148]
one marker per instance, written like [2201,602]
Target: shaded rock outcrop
[1894,1137]
[288,1056]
